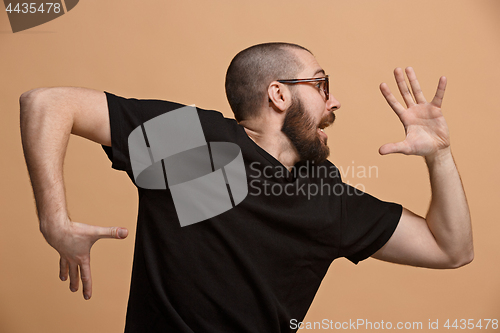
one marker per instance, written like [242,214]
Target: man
[256,267]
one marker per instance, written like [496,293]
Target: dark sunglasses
[326,86]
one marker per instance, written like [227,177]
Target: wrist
[52,225]
[439,156]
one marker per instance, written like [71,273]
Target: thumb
[391,148]
[112,232]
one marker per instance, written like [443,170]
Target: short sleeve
[367,223]
[125,114]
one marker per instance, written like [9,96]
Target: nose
[332,103]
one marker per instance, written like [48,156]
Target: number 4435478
[471,324]
[32,8]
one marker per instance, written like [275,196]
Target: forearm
[45,132]
[448,217]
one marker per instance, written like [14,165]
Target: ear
[279,96]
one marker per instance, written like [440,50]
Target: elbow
[462,260]
[32,103]
[468,258]
[26,96]
[29,97]
[28,101]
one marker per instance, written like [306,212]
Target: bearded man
[257,266]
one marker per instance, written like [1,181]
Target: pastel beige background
[180,51]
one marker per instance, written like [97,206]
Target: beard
[299,127]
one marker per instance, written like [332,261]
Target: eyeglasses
[326,86]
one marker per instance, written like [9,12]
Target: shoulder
[134,112]
[219,128]
[140,109]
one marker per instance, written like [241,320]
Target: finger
[63,269]
[111,232]
[415,86]
[438,98]
[392,148]
[73,277]
[389,97]
[86,279]
[403,87]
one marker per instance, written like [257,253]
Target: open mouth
[324,125]
[321,133]
[327,121]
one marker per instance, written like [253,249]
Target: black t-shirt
[255,267]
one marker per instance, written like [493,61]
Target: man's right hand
[73,241]
[48,117]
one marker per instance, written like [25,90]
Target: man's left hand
[426,129]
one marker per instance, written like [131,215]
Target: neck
[270,138]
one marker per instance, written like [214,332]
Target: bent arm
[48,117]
[444,238]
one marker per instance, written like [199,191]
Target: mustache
[327,120]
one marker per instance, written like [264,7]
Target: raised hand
[73,241]
[426,129]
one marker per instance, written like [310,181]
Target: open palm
[425,127]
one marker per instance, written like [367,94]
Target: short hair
[253,69]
